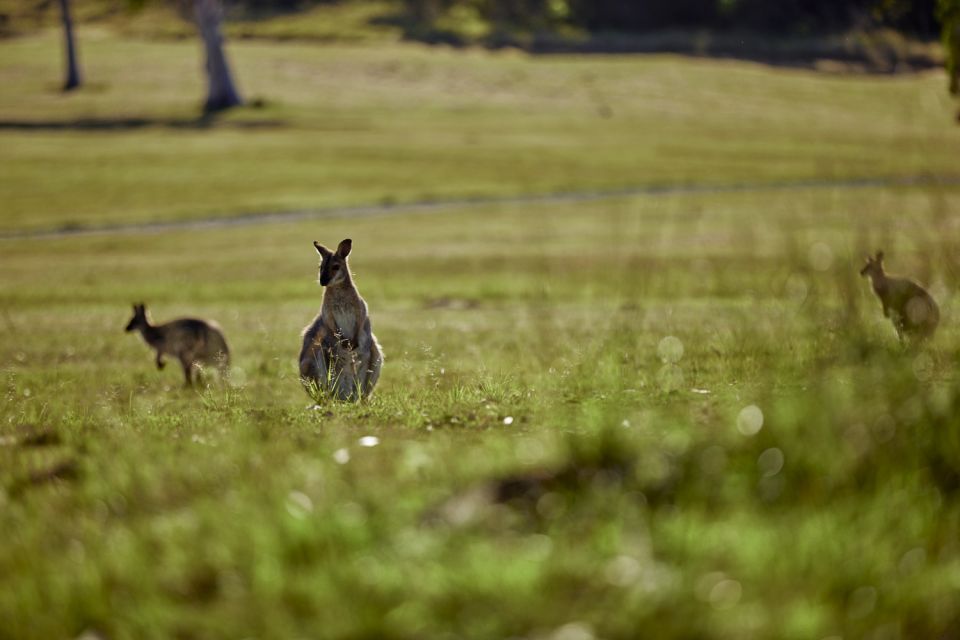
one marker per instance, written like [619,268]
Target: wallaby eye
[335,267]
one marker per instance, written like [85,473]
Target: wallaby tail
[218,345]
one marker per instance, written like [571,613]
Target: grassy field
[349,125]
[674,416]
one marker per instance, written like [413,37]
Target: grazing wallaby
[340,355]
[192,342]
[909,306]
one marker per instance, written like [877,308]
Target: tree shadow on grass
[96,125]
[880,53]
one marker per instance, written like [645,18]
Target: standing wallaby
[909,306]
[192,342]
[340,355]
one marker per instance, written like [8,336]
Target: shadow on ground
[878,52]
[134,123]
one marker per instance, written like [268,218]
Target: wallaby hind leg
[187,373]
[343,367]
[220,356]
[363,372]
[374,374]
[370,370]
[313,371]
[223,364]
[191,372]
[223,371]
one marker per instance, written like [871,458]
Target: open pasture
[150,511]
[670,416]
[347,125]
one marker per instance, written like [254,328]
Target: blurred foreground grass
[670,416]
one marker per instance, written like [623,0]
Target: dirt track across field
[441,206]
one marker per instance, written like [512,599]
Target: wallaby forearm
[330,324]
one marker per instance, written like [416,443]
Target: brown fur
[339,354]
[193,342]
[909,306]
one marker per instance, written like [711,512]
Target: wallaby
[193,342]
[340,355]
[909,306]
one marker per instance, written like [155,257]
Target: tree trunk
[73,68]
[221,92]
[953,54]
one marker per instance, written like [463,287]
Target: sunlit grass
[547,459]
[347,125]
[673,416]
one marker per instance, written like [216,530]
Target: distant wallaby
[193,342]
[909,306]
[340,355]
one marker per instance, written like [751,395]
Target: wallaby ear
[322,250]
[343,249]
[879,256]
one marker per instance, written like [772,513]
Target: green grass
[224,514]
[400,123]
[547,466]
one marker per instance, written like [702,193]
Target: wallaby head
[333,264]
[139,319]
[874,266]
